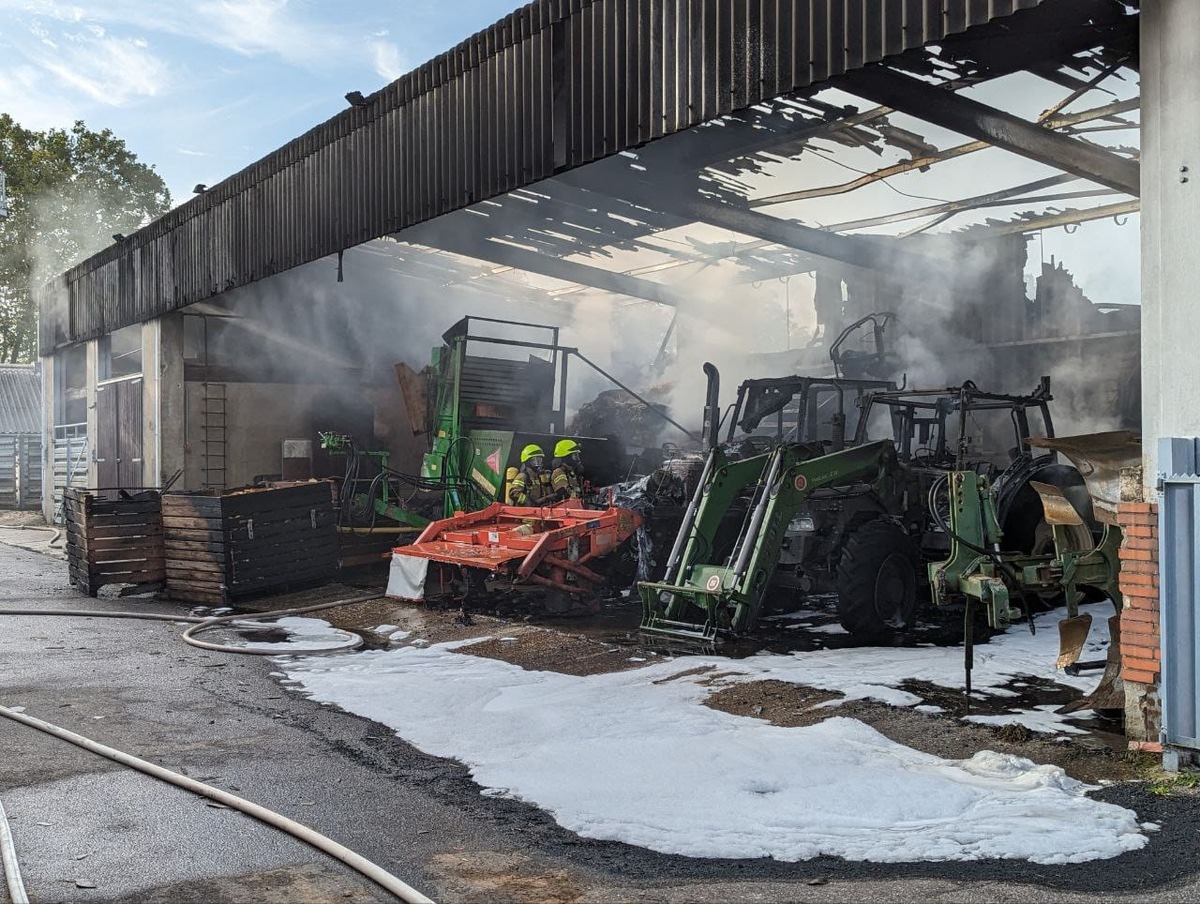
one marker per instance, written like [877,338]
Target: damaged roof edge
[518,102]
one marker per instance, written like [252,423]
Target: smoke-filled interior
[751,242]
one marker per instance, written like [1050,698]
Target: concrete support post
[93,376]
[49,395]
[162,399]
[1170,59]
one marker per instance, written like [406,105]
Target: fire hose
[360,864]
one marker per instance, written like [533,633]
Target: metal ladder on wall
[212,422]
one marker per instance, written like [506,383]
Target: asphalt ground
[90,830]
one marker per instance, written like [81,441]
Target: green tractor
[859,514]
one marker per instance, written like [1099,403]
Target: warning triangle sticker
[493,461]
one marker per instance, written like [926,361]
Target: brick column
[1140,656]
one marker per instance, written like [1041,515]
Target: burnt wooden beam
[507,255]
[867,251]
[975,120]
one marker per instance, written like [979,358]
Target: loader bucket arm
[705,594]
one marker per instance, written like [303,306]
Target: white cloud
[111,71]
[388,61]
[247,27]
[252,27]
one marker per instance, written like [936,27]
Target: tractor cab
[796,410]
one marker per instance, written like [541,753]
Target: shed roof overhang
[551,87]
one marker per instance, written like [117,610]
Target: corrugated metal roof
[20,398]
[555,85]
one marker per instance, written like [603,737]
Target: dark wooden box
[114,540]
[244,543]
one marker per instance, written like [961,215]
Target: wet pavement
[89,830]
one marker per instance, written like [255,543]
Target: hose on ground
[8,857]
[353,640]
[203,624]
[53,541]
[310,836]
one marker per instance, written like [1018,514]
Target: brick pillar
[1140,656]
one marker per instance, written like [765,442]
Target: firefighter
[531,484]
[566,480]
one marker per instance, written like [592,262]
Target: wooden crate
[244,543]
[114,540]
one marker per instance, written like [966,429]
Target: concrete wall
[260,416]
[1170,61]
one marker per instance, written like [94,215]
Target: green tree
[69,191]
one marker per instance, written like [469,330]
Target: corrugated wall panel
[555,85]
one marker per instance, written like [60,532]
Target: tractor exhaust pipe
[712,406]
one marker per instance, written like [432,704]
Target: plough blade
[1110,692]
[1072,635]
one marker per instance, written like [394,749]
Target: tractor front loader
[716,577]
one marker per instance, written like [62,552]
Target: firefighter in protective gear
[531,485]
[566,479]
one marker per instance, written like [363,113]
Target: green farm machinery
[878,520]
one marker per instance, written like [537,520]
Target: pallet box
[114,539]
[243,543]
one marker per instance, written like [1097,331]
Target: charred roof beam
[1066,218]
[1018,194]
[543,264]
[1058,121]
[865,251]
[999,129]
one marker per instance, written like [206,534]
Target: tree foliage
[69,192]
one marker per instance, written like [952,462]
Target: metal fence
[70,462]
[20,470]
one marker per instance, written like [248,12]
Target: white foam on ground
[303,634]
[634,757]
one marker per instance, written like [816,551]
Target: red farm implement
[510,545]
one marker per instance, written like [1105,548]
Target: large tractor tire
[877,580]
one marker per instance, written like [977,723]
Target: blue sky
[202,88]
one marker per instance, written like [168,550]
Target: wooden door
[129,434]
[106,436]
[119,435]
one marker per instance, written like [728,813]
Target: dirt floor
[608,642]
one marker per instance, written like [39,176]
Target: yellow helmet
[565,447]
[531,451]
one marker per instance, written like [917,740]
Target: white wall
[1170,67]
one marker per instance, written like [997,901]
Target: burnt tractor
[924,478]
[845,534]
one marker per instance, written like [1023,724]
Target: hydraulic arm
[716,578]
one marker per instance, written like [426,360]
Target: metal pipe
[712,405]
[558,585]
[562,394]
[750,540]
[689,519]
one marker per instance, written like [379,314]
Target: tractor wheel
[877,580]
